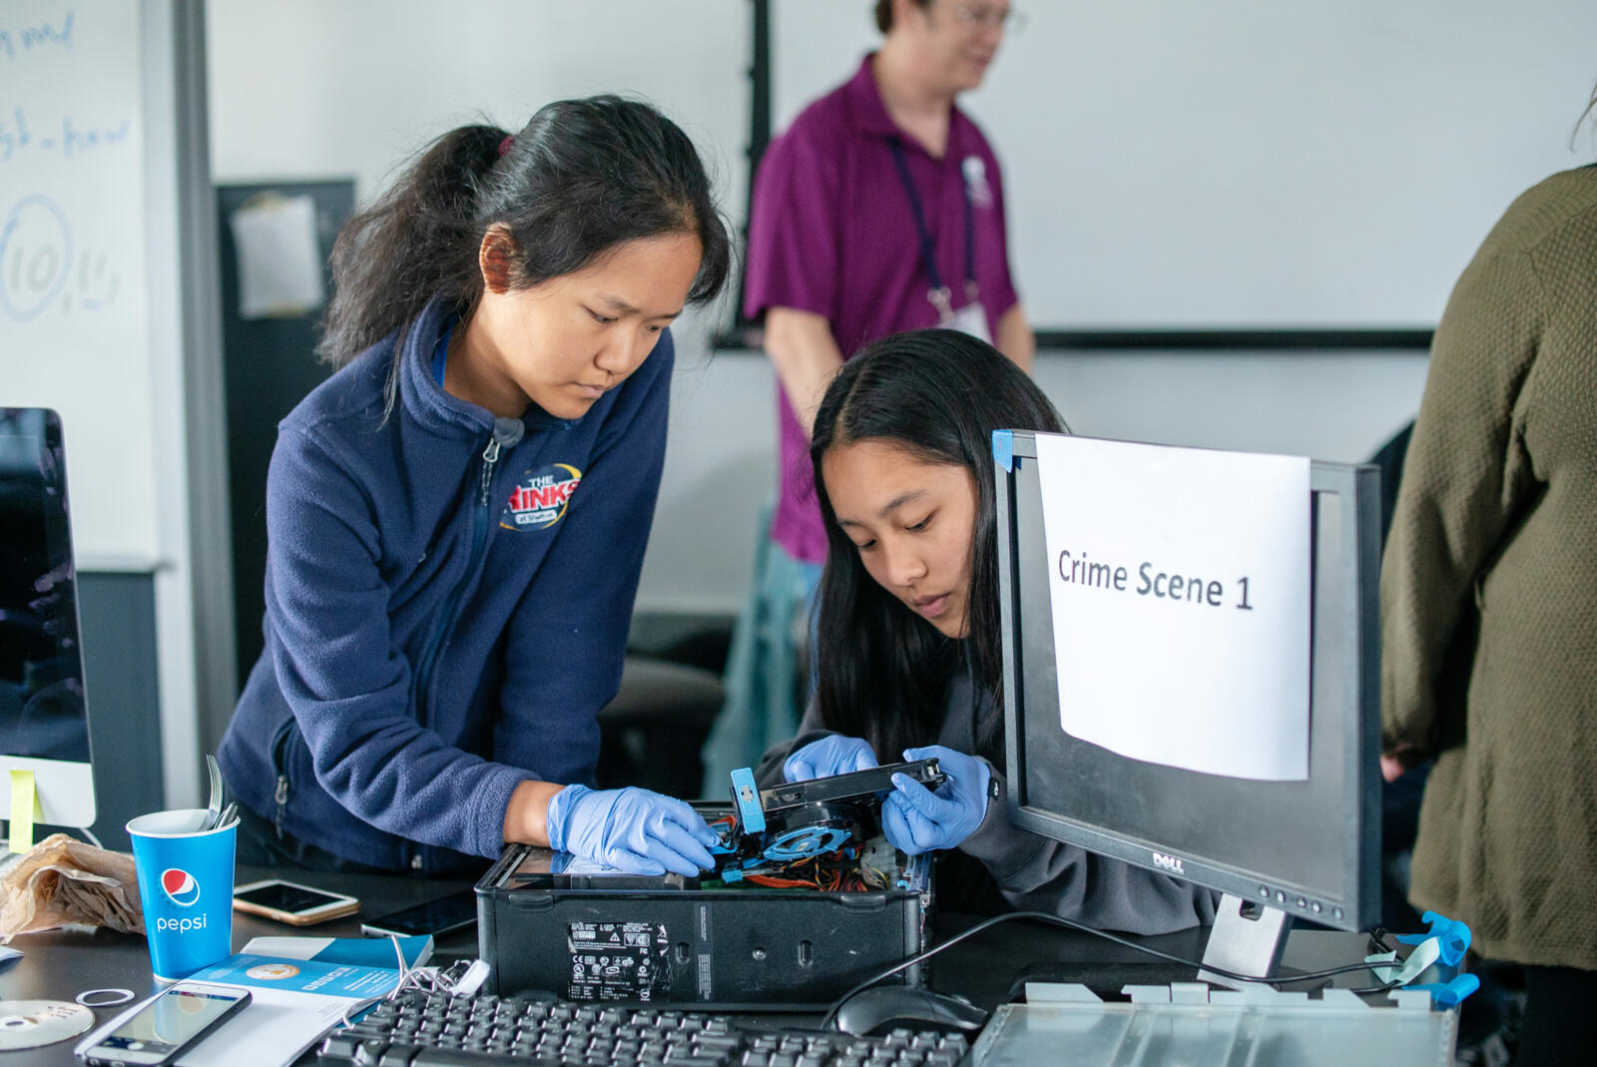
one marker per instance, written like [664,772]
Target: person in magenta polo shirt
[880,209]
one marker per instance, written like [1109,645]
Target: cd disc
[30,1023]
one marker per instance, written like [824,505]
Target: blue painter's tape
[1004,448]
[1452,992]
[746,795]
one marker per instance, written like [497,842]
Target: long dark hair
[940,394]
[581,177]
[1591,105]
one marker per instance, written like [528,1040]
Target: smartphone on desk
[441,916]
[169,1024]
[292,903]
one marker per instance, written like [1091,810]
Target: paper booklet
[364,951]
[300,986]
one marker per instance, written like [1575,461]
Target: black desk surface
[59,966]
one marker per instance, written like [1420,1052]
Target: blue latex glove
[917,820]
[1452,936]
[833,754]
[630,829]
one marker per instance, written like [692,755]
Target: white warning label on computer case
[616,960]
[706,980]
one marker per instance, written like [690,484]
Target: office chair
[652,733]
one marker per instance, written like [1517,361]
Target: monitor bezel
[1353,903]
[65,788]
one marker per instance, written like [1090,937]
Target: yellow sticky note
[24,809]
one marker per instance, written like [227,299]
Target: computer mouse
[880,1009]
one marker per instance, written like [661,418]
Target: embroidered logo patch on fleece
[540,498]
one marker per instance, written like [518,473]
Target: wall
[722,463]
[74,294]
[99,327]
[313,90]
[1232,163]
[308,89]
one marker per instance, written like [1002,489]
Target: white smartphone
[167,1025]
[292,903]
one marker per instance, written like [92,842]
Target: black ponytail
[581,177]
[417,241]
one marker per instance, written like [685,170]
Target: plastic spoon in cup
[213,810]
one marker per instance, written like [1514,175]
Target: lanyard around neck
[939,294]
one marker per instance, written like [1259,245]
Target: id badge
[971,319]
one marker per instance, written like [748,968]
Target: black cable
[1385,987]
[1329,972]
[1069,924]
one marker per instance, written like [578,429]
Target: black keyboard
[418,1029]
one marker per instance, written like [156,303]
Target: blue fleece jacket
[447,604]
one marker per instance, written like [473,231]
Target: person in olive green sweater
[1489,610]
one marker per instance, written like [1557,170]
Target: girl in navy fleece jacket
[456,519]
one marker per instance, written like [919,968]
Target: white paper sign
[279,267]
[1180,584]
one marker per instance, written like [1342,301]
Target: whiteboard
[1235,164]
[74,316]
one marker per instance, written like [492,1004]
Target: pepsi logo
[180,887]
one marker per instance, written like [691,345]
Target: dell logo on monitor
[1169,863]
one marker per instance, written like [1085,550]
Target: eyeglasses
[985,17]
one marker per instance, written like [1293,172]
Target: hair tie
[504,146]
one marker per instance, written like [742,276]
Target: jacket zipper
[280,745]
[435,644]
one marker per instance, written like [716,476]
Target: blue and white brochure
[343,980]
[362,951]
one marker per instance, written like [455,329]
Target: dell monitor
[1276,849]
[44,724]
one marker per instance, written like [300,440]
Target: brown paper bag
[64,881]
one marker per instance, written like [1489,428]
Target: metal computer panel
[1309,848]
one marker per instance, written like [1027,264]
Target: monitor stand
[1247,938]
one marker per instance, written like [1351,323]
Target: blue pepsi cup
[186,885]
